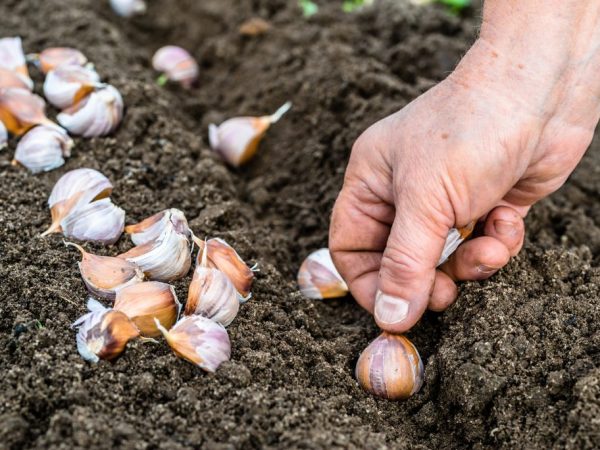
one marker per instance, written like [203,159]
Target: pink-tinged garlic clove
[68,85]
[12,58]
[128,8]
[151,228]
[318,278]
[3,136]
[43,148]
[199,340]
[456,236]
[98,114]
[237,139]
[21,110]
[54,57]
[99,221]
[176,64]
[10,79]
[390,367]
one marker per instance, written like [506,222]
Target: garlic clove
[103,334]
[76,187]
[455,237]
[98,114]
[12,58]
[20,110]
[222,256]
[237,139]
[100,221]
[255,26]
[176,64]
[151,228]
[68,85]
[318,278]
[199,340]
[390,367]
[128,8]
[147,301]
[43,148]
[10,79]
[54,57]
[3,136]
[105,275]
[167,258]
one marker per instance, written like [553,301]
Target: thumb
[407,271]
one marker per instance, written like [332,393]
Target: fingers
[506,224]
[444,292]
[477,259]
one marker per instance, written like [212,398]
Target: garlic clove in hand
[43,148]
[199,340]
[237,139]
[128,8]
[318,278]
[176,64]
[144,302]
[68,85]
[12,58]
[151,228]
[390,367]
[54,57]
[103,334]
[10,79]
[3,136]
[455,237]
[20,110]
[105,275]
[98,114]
[99,221]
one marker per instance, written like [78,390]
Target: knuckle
[399,265]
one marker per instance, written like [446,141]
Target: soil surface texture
[515,363]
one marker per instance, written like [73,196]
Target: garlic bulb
[145,302]
[176,64]
[222,256]
[20,110]
[390,367]
[55,57]
[237,139]
[76,187]
[151,228]
[105,275]
[68,85]
[128,8]
[199,340]
[43,148]
[10,79]
[12,58]
[103,333]
[98,114]
[455,237]
[318,278]
[3,136]
[99,221]
[167,258]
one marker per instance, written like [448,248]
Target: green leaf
[308,7]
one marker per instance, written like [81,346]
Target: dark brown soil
[515,364]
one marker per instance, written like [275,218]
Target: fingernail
[486,269]
[389,309]
[505,228]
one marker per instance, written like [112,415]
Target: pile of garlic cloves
[87,106]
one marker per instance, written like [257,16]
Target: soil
[514,364]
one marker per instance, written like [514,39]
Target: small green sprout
[352,5]
[162,80]
[455,6]
[308,7]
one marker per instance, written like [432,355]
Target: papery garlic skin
[390,367]
[10,79]
[98,114]
[147,301]
[67,85]
[21,110]
[199,340]
[103,334]
[177,64]
[237,139]
[54,57]
[151,228]
[99,221]
[43,148]
[3,136]
[105,275]
[12,58]
[128,8]
[455,237]
[167,258]
[318,278]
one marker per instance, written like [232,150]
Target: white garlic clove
[147,301]
[318,278]
[455,237]
[100,221]
[21,110]
[10,79]
[237,139]
[98,114]
[3,136]
[199,340]
[151,228]
[105,275]
[68,85]
[12,58]
[176,64]
[54,57]
[128,8]
[75,188]
[390,367]
[43,148]
[167,258]
[103,333]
